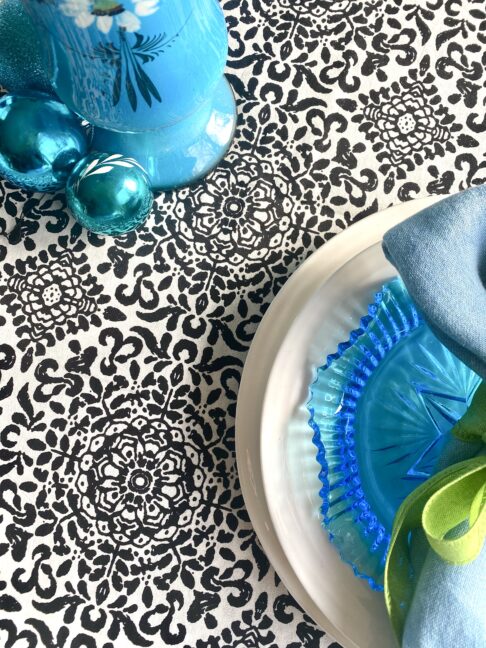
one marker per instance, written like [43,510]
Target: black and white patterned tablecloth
[121,517]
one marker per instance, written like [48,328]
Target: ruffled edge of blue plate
[367,520]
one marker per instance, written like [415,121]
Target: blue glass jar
[148,74]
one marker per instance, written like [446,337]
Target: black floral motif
[50,295]
[463,19]
[122,521]
[323,27]
[241,212]
[407,124]
[138,483]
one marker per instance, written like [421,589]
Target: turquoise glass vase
[148,74]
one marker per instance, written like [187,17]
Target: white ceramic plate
[289,466]
[299,328]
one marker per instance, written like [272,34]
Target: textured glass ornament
[382,409]
[109,194]
[148,74]
[40,141]
[22,66]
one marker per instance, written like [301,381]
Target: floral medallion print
[408,124]
[242,212]
[137,482]
[49,296]
[122,519]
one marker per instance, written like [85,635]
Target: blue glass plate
[382,408]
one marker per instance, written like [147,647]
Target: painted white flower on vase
[145,7]
[106,13]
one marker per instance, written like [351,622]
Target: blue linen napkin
[441,256]
[448,608]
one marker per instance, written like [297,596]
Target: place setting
[354,398]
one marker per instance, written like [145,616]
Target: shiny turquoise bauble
[22,64]
[40,141]
[109,193]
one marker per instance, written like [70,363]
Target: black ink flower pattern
[242,210]
[122,519]
[407,123]
[138,483]
[50,295]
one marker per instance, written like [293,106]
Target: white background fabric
[121,517]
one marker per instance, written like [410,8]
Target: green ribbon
[438,506]
[472,426]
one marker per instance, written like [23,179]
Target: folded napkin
[441,256]
[435,576]
[449,605]
[433,603]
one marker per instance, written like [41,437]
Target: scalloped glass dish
[381,409]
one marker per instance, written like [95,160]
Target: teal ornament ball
[109,194]
[40,141]
[22,64]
